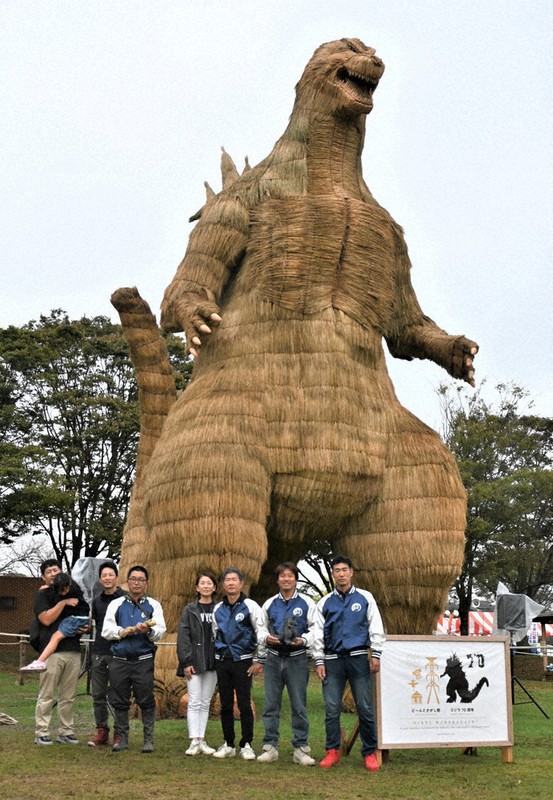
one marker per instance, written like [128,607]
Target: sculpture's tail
[468,697]
[156,395]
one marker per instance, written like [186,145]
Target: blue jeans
[354,669]
[293,673]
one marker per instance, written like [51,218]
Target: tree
[505,457]
[315,569]
[69,424]
[12,455]
[23,557]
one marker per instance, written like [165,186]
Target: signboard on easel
[447,691]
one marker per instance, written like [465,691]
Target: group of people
[220,644]
[122,655]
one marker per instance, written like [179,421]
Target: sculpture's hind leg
[407,548]
[206,498]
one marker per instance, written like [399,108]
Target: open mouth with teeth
[358,87]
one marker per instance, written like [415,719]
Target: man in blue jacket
[133,624]
[286,635]
[348,624]
[236,621]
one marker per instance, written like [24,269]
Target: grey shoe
[69,739]
[120,742]
[269,754]
[302,756]
[43,740]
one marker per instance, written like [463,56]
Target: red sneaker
[331,759]
[100,738]
[371,763]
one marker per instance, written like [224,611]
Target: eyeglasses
[136,580]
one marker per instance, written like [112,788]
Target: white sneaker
[35,666]
[247,753]
[194,748]
[301,756]
[269,754]
[205,748]
[225,751]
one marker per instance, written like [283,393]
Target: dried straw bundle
[290,429]
[156,395]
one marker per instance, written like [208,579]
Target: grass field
[29,772]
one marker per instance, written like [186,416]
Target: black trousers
[232,677]
[125,676]
[99,676]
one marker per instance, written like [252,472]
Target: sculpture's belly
[324,401]
[310,253]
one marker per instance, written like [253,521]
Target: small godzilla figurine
[290,429]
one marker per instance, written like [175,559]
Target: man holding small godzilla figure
[286,633]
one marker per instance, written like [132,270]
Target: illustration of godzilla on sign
[458,683]
[290,429]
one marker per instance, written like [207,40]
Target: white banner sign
[440,692]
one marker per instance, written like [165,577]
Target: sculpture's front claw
[197,329]
[462,359]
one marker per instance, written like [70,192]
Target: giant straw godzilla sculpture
[290,429]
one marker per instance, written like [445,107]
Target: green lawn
[52,773]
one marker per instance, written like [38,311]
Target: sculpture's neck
[333,156]
[318,155]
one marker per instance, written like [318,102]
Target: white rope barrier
[24,637]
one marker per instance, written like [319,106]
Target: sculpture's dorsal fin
[209,193]
[229,173]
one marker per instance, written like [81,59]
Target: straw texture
[290,429]
[156,395]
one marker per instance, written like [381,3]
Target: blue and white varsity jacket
[275,612]
[347,624]
[123,613]
[235,628]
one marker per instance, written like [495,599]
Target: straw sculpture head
[290,430]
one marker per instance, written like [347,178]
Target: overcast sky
[113,114]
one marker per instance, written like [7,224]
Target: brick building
[16,602]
